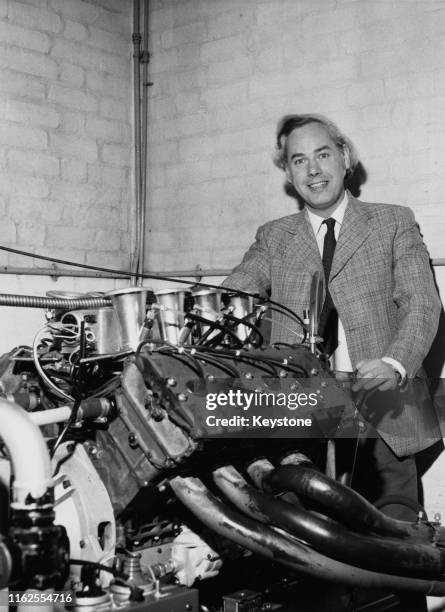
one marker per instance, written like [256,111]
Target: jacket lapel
[302,244]
[355,229]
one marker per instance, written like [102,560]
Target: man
[381,309]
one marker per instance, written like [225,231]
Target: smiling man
[381,308]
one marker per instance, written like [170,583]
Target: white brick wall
[65,129]
[224,72]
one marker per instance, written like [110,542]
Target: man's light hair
[289,123]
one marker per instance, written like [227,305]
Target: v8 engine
[159,452]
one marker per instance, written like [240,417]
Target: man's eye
[323,155]
[299,162]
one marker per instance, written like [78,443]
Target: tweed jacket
[381,284]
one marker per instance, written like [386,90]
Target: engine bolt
[182,397]
[132,440]
[248,375]
[324,384]
[314,372]
[171,382]
[282,374]
[210,378]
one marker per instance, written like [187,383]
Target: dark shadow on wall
[353,183]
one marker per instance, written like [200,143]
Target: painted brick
[185,174]
[68,145]
[8,233]
[164,60]
[116,6]
[162,107]
[227,95]
[70,237]
[87,57]
[75,31]
[37,18]
[23,37]
[115,109]
[109,238]
[232,22]
[108,260]
[30,163]
[71,75]
[224,49]
[30,138]
[31,233]
[74,170]
[37,3]
[76,255]
[188,103]
[110,131]
[83,12]
[185,126]
[109,41]
[190,33]
[98,217]
[196,148]
[15,184]
[269,60]
[366,92]
[106,84]
[17,84]
[74,194]
[115,22]
[108,175]
[30,63]
[73,98]
[168,153]
[73,122]
[116,155]
[33,114]
[3,8]
[109,195]
[29,207]
[183,81]
[230,70]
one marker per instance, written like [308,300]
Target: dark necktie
[328,325]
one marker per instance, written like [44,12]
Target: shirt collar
[338,214]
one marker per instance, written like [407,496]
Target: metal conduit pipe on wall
[140,58]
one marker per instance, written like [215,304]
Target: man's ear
[288,174]
[347,159]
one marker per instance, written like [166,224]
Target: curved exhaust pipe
[389,555]
[290,552]
[331,498]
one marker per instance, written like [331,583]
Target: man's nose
[313,167]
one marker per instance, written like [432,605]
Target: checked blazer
[382,286]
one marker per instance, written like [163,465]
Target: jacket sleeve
[414,294]
[253,273]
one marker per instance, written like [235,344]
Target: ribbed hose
[36,301]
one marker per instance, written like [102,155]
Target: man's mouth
[318,185]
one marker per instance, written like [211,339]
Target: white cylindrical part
[130,307]
[30,460]
[171,313]
[48,417]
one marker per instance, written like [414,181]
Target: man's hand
[375,374]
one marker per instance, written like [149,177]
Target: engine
[159,451]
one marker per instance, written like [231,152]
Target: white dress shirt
[340,359]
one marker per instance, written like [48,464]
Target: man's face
[316,168]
